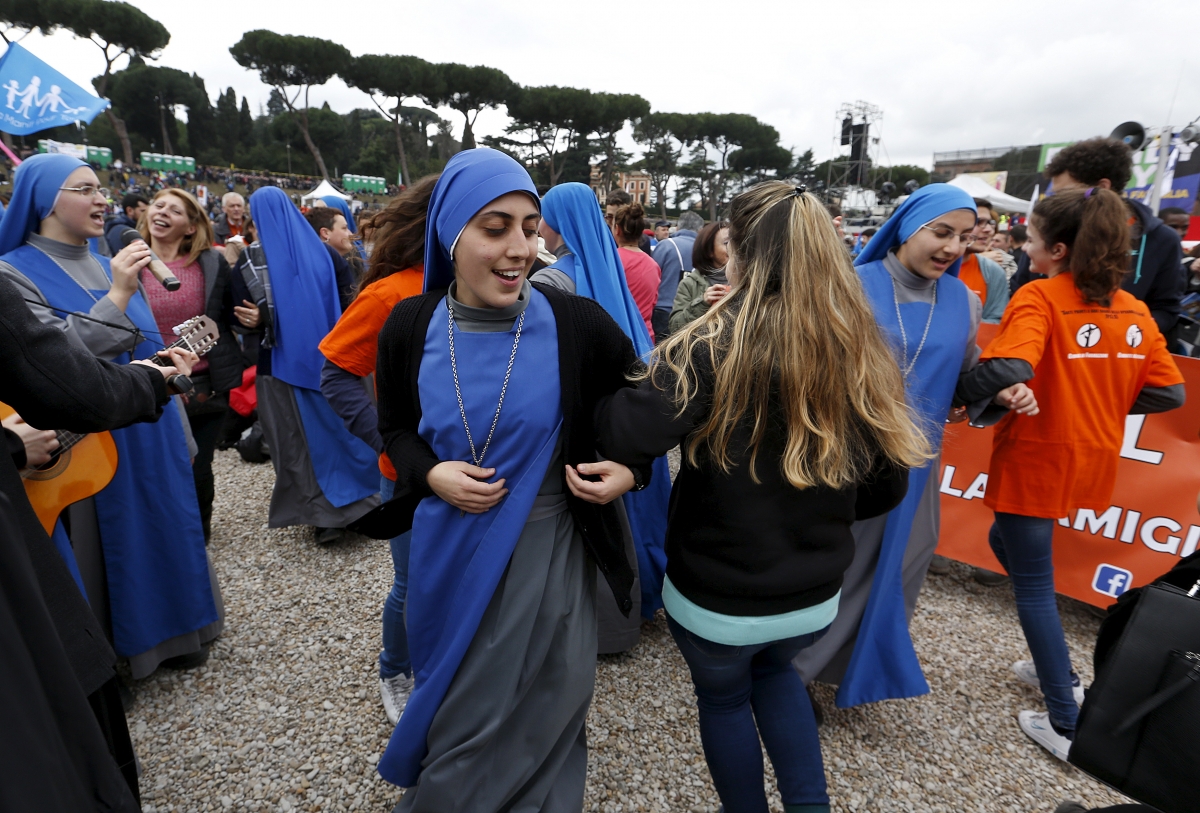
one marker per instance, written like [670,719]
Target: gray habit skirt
[510,734]
[827,659]
[89,555]
[297,498]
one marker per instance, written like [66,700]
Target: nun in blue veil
[868,651]
[324,476]
[589,265]
[490,448]
[136,548]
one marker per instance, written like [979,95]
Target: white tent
[324,189]
[978,188]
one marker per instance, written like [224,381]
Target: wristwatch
[638,482]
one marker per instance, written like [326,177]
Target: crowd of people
[491,379]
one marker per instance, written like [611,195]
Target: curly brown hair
[1093,160]
[1094,226]
[630,220]
[398,232]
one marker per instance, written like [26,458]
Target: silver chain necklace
[477,459]
[907,366]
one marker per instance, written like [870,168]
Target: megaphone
[1131,133]
[1191,133]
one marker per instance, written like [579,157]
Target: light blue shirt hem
[738,630]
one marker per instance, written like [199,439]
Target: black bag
[252,446]
[1137,728]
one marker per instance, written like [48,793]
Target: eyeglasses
[946,233]
[86,191]
[985,222]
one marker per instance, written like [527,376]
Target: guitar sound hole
[56,466]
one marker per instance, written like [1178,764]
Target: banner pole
[16,162]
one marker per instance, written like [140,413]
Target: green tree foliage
[546,123]
[398,78]
[118,29]
[610,113]
[661,153]
[19,17]
[228,125]
[286,62]
[469,90]
[146,98]
[715,138]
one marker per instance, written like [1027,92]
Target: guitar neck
[68,439]
[162,362]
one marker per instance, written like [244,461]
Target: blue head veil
[471,180]
[926,204]
[35,190]
[572,211]
[334,202]
[303,285]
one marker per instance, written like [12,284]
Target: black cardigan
[593,356]
[734,546]
[55,385]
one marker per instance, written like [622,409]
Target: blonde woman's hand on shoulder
[1019,398]
[615,480]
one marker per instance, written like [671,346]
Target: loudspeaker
[911,186]
[1131,133]
[1191,133]
[888,189]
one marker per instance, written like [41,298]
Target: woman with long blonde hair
[180,234]
[790,411]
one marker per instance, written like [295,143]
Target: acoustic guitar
[83,465]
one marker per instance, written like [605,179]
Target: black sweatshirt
[734,546]
[54,384]
[593,356]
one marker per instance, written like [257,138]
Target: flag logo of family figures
[34,96]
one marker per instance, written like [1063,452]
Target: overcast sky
[947,76]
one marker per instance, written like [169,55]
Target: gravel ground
[286,714]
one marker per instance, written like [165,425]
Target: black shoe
[989,578]
[1070,807]
[326,536]
[126,695]
[188,661]
[939,566]
[818,712]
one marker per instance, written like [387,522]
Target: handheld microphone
[157,267]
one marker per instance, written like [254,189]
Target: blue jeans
[739,686]
[394,658]
[1023,546]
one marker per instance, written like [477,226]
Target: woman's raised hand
[127,265]
[465,486]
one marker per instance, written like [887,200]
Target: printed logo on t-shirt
[1133,336]
[1088,335]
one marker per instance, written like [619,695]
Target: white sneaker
[1026,672]
[395,692]
[1037,726]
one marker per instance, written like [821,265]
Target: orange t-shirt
[971,275]
[1089,365]
[354,341]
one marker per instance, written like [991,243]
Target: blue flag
[34,96]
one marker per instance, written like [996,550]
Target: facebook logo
[1111,580]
